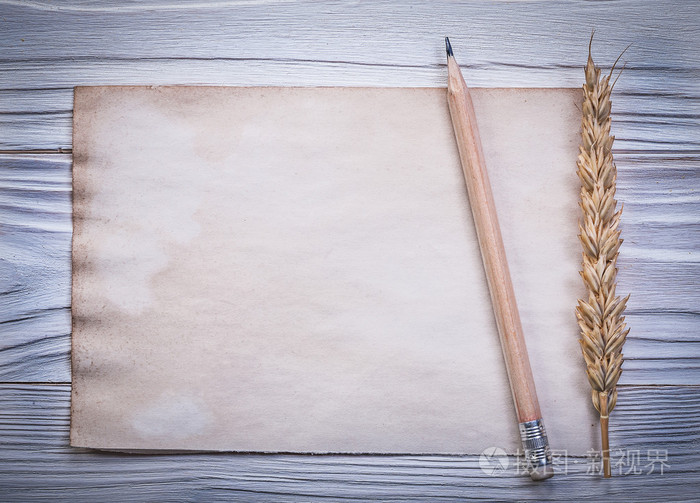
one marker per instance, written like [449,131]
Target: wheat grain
[603,329]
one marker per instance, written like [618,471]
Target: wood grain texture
[36,463]
[46,48]
[382,43]
[40,117]
[659,249]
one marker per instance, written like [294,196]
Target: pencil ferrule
[535,445]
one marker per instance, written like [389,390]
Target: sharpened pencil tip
[448,47]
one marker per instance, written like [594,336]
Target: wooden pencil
[505,309]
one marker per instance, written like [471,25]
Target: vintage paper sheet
[296,270]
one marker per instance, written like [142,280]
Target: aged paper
[296,270]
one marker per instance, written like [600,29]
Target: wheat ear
[600,315]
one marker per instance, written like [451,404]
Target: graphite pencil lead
[448,47]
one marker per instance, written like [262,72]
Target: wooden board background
[47,47]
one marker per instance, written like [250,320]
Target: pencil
[522,384]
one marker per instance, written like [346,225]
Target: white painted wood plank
[36,463]
[662,349]
[661,197]
[409,33]
[644,84]
[35,202]
[31,118]
[47,47]
[658,266]
[380,43]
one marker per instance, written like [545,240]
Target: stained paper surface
[296,270]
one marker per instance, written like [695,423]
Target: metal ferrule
[536,446]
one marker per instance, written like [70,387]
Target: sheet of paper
[296,270]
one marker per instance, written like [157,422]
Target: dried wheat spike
[600,315]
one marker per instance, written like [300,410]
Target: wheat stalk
[600,316]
